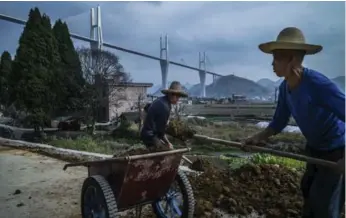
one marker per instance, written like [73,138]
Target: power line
[86,39]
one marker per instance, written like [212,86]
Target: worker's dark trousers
[323,189]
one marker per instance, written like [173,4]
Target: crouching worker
[157,117]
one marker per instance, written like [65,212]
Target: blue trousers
[323,189]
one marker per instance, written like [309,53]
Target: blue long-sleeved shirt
[318,107]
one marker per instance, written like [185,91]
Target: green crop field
[257,110]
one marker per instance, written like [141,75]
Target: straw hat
[176,89]
[290,38]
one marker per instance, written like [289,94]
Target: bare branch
[105,78]
[102,63]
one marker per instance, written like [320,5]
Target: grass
[111,147]
[270,159]
[91,144]
[230,110]
[239,131]
[235,162]
[128,137]
[264,159]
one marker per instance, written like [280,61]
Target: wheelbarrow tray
[138,179]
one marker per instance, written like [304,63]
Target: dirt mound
[180,130]
[269,190]
[132,151]
[136,151]
[201,165]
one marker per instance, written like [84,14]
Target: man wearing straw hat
[318,107]
[157,117]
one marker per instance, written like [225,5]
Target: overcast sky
[228,31]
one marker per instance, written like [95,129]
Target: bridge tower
[215,78]
[202,73]
[164,62]
[96,28]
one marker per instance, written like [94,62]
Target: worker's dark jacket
[156,120]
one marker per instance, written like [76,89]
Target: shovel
[307,159]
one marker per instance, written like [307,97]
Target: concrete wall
[118,98]
[124,99]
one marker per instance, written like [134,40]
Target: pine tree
[23,60]
[71,73]
[54,64]
[35,65]
[5,72]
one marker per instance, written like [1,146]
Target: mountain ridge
[270,84]
[157,88]
[228,85]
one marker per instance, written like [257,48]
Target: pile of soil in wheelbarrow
[269,190]
[132,151]
[135,151]
[202,165]
[180,130]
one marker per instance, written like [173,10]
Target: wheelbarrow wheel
[97,198]
[188,207]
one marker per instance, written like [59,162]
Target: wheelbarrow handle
[187,160]
[307,159]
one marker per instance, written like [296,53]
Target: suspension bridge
[96,42]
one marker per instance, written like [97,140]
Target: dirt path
[43,188]
[35,186]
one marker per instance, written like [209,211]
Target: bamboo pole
[312,160]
